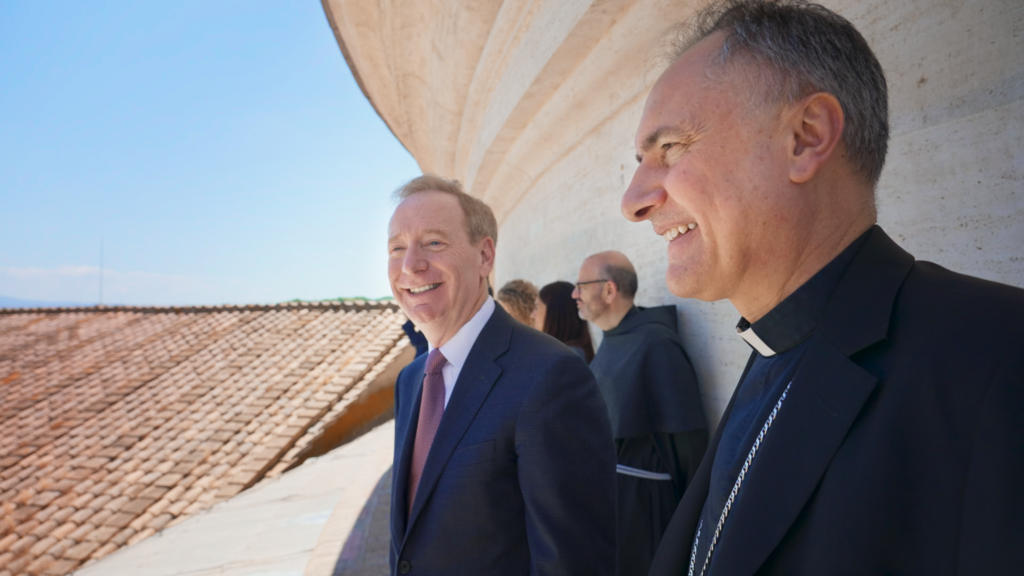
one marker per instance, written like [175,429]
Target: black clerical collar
[794,319]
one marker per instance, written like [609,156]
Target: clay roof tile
[116,422]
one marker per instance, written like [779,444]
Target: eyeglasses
[580,284]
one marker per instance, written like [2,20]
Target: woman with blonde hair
[518,298]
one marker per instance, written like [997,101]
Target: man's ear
[486,249]
[816,125]
[609,292]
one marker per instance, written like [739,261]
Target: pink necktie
[431,410]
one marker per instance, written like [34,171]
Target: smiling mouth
[423,289]
[677,231]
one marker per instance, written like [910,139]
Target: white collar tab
[755,341]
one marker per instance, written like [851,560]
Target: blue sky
[221,150]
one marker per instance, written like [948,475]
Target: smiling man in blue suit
[504,461]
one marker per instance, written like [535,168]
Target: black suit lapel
[475,381]
[824,398]
[683,526]
[826,395]
[858,314]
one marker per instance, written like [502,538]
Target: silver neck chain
[735,489]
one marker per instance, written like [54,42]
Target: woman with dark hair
[556,314]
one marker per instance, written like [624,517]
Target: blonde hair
[480,220]
[520,296]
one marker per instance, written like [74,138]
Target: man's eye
[672,152]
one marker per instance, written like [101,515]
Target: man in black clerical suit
[878,427]
[504,462]
[653,403]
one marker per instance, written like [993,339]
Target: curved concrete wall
[534,104]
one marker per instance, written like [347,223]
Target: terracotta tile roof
[117,422]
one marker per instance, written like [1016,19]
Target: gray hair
[624,279]
[799,48]
[480,220]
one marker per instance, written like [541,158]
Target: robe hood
[664,315]
[646,377]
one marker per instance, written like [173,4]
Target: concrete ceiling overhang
[495,92]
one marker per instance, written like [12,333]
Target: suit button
[404,566]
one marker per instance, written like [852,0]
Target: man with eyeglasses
[653,402]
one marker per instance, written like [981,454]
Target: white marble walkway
[271,529]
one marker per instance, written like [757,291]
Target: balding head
[605,288]
[615,267]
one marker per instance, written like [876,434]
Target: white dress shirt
[457,349]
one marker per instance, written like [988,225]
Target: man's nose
[414,261]
[644,194]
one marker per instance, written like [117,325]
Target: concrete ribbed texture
[534,104]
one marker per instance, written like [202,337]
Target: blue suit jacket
[520,478]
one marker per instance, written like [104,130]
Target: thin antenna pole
[101,270]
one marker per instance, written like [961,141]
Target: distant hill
[7,302]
